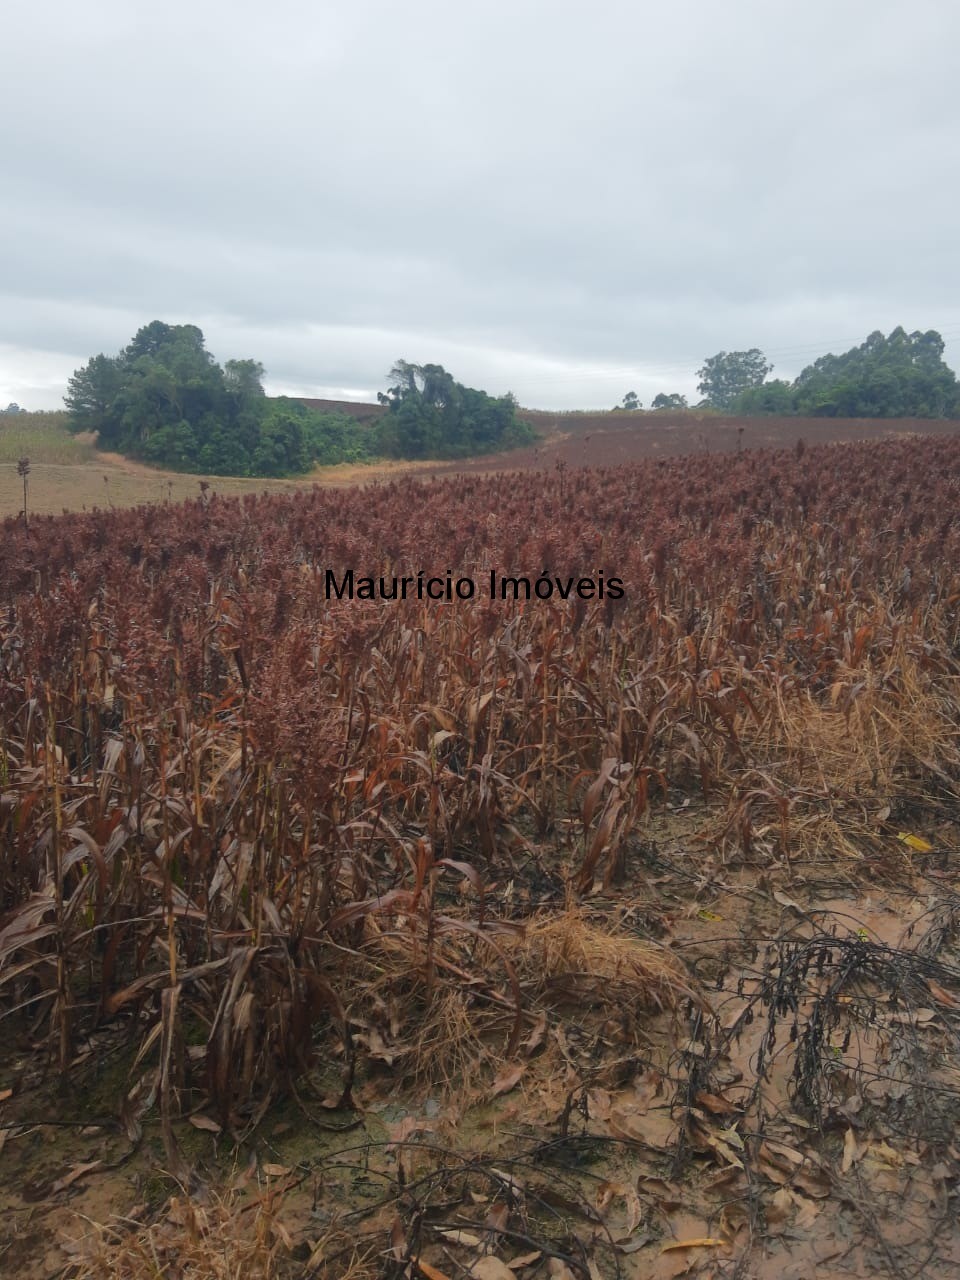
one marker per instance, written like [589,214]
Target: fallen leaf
[508,1182]
[535,1039]
[398,1239]
[807,1212]
[814,1183]
[406,1128]
[506,1079]
[851,1152]
[206,1123]
[701,1242]
[730,1135]
[605,1193]
[916,843]
[787,902]
[498,1217]
[941,995]
[778,1162]
[5,1094]
[275,1170]
[525,1260]
[635,1243]
[458,1237]
[887,1153]
[78,1171]
[721,1178]
[599,1102]
[716,1105]
[779,1208]
[559,1270]
[430,1271]
[722,1150]
[490,1268]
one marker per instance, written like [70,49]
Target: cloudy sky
[565,200]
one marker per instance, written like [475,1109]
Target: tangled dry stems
[213,780]
[231,1237]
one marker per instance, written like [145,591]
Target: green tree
[672,401]
[776,396]
[901,375]
[632,401]
[726,375]
[165,399]
[282,448]
[244,378]
[434,416]
[91,396]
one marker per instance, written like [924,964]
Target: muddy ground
[790,1109]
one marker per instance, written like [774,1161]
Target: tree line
[902,375]
[165,400]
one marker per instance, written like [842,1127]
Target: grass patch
[43,438]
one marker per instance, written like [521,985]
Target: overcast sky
[565,200]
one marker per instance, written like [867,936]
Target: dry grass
[576,956]
[43,438]
[231,1237]
[834,767]
[448,1011]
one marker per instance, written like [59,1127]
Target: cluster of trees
[430,415]
[673,401]
[164,399]
[662,401]
[899,376]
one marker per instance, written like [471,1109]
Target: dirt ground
[799,1119]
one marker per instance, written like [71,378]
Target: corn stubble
[265,835]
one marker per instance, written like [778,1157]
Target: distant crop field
[43,438]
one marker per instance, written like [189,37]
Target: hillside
[68,473]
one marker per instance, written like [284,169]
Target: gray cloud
[565,202]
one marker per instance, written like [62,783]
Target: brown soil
[588,1149]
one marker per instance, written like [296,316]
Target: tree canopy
[431,415]
[672,401]
[162,398]
[165,399]
[899,376]
[728,374]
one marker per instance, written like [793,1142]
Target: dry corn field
[548,938]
